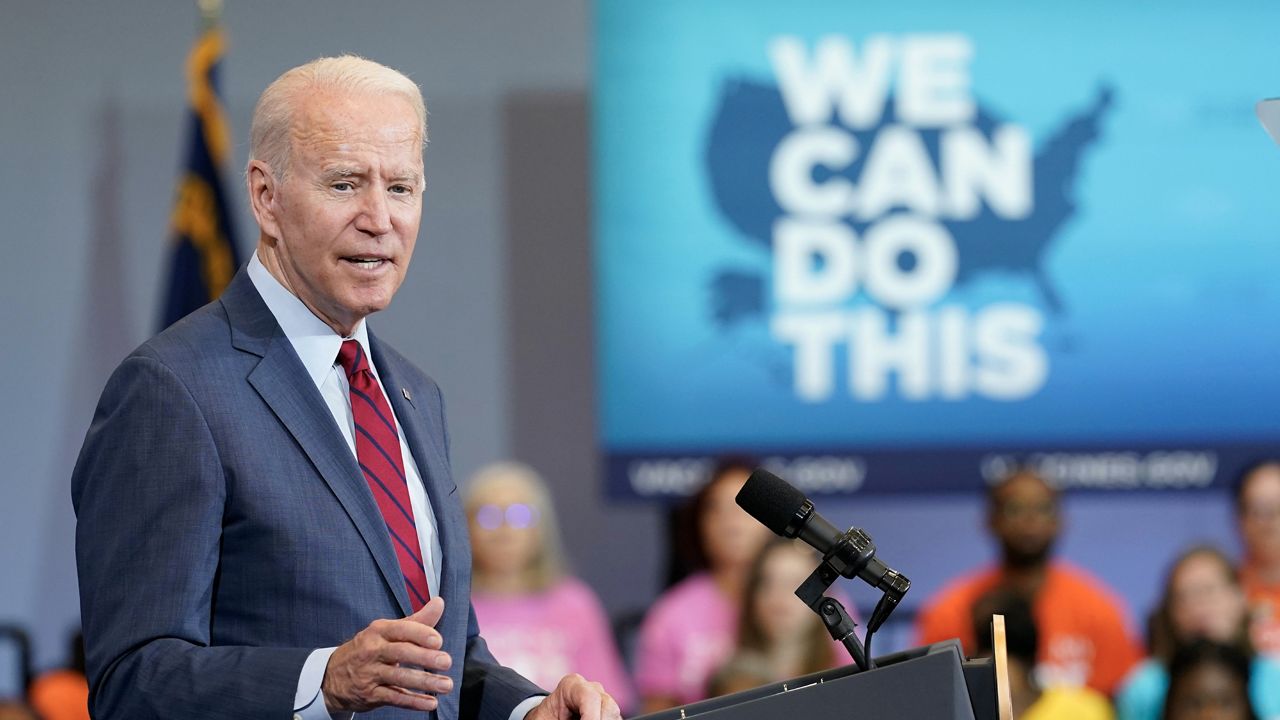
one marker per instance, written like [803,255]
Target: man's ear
[261,183]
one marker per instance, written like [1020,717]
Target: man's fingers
[403,653]
[404,699]
[430,613]
[391,662]
[588,700]
[416,680]
[576,697]
[610,710]
[410,632]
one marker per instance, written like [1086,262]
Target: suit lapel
[431,466]
[283,383]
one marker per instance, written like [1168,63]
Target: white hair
[273,115]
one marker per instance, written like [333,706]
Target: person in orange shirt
[1258,515]
[63,694]
[1083,627]
[1022,643]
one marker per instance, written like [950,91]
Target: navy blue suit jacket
[225,531]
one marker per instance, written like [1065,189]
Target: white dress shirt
[317,346]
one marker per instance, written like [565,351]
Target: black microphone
[786,511]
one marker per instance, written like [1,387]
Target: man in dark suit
[267,523]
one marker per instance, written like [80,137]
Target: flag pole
[210,10]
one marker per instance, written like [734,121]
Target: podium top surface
[919,684]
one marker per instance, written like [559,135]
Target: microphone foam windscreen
[770,499]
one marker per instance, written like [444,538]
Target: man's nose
[375,213]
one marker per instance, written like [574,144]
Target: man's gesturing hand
[576,698]
[390,663]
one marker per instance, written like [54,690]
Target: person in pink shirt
[692,627]
[536,618]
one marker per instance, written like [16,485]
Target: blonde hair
[548,565]
[273,115]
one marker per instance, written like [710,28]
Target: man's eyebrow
[411,176]
[342,171]
[336,172]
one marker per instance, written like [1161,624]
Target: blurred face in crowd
[338,228]
[506,534]
[730,537]
[1203,600]
[1024,519]
[779,614]
[1260,515]
[1208,692]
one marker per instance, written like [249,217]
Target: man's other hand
[576,698]
[390,663]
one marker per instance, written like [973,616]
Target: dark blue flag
[204,245]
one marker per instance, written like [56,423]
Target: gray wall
[93,120]
[497,306]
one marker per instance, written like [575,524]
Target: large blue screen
[893,249]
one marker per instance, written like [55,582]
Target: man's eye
[401,189]
[342,186]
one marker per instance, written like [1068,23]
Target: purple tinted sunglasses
[517,515]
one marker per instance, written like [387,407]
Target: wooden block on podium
[1004,700]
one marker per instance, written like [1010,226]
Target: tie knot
[351,357]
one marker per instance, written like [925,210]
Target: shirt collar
[315,342]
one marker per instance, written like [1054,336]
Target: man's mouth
[365,262]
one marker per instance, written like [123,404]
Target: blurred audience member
[1022,640]
[1258,513]
[690,629]
[1202,600]
[1207,681]
[14,710]
[63,694]
[15,660]
[1084,638]
[535,618]
[779,637]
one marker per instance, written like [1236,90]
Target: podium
[934,682]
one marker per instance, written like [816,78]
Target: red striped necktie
[378,452]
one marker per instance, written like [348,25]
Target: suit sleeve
[149,493]
[489,690]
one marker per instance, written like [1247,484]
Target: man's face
[1024,520]
[339,230]
[1260,514]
